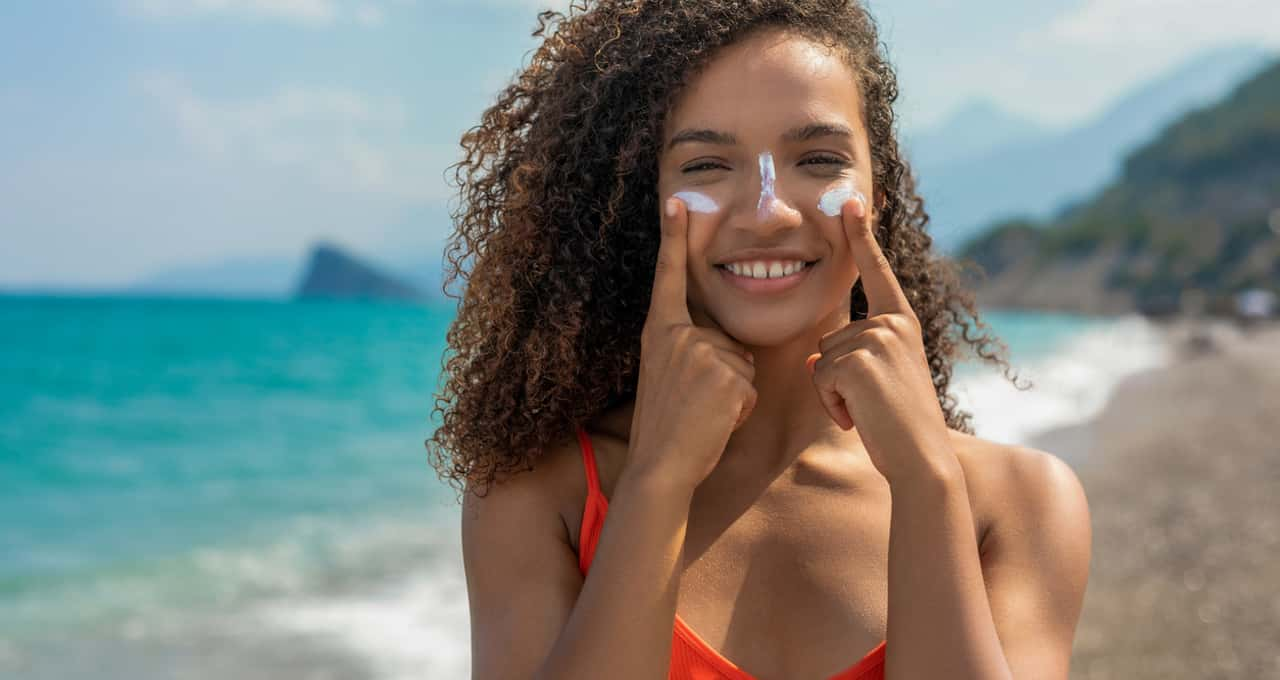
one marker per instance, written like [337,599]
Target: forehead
[772,79]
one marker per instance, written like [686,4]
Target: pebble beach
[1182,471]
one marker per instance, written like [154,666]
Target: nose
[770,209]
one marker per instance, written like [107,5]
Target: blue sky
[139,135]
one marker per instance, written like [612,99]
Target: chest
[793,583]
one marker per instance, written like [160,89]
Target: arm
[532,613]
[694,388]
[944,619]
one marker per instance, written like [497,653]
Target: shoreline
[1186,339]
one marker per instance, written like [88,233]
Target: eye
[825,160]
[699,167]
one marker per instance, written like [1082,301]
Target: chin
[767,328]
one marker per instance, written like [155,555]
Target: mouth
[768,284]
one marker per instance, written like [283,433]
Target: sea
[196,488]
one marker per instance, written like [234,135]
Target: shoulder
[522,575]
[1020,487]
[1035,552]
[556,486]
[541,494]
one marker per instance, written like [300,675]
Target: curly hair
[557,184]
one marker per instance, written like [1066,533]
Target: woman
[702,303]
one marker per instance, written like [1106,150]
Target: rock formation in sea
[333,273]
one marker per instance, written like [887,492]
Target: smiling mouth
[766,285]
[725,268]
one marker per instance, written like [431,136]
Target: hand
[695,384]
[874,373]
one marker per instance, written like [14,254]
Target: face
[764,146]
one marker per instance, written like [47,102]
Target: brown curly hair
[558,222]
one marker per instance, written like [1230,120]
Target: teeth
[765,270]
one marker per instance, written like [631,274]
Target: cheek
[701,232]
[833,199]
[699,202]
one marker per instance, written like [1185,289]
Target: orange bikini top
[691,657]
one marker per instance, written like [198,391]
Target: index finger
[884,293]
[669,302]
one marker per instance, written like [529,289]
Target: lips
[767,254]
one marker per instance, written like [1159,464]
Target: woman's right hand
[695,384]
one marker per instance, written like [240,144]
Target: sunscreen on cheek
[697,202]
[835,197]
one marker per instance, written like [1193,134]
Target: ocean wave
[1070,383]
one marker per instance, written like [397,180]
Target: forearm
[621,624]
[939,621]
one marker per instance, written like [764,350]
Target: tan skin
[743,495]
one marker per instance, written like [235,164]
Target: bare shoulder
[546,490]
[1035,552]
[557,484]
[521,569]
[1015,484]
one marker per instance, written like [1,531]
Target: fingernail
[751,357]
[671,207]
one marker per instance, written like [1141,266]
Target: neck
[788,417]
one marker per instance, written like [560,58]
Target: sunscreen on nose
[768,178]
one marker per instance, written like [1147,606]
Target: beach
[1182,471]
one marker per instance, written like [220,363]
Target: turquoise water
[133,431]
[164,457]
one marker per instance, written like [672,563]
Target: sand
[1182,472]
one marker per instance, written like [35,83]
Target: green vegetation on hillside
[1197,208]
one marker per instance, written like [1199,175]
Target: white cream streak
[768,176]
[836,197]
[696,202]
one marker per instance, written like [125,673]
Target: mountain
[975,129]
[1193,220]
[1043,175]
[332,273]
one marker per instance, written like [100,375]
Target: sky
[142,135]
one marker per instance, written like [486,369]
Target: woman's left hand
[873,374]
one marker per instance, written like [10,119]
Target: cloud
[303,12]
[1144,23]
[342,139]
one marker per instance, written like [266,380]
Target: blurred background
[221,322]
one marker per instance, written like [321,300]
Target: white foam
[1071,385]
[417,628]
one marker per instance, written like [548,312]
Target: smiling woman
[701,301]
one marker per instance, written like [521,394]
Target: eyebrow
[801,133]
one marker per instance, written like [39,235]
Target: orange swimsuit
[691,657]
